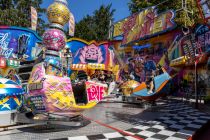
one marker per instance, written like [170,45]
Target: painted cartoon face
[91,53]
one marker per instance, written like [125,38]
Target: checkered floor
[181,122]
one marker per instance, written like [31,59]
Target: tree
[183,18]
[102,18]
[18,13]
[95,27]
[85,28]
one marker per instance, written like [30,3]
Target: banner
[33,18]
[71,25]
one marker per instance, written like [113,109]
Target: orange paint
[162,85]
[140,87]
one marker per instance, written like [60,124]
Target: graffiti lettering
[95,93]
[143,24]
[4,51]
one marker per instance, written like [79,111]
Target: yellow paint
[87,106]
[60,99]
[140,21]
[2,85]
[4,100]
[17,101]
[5,106]
[86,42]
[58,13]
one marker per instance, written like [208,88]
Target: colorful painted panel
[142,25]
[88,52]
[9,104]
[16,42]
[49,93]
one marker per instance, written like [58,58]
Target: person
[101,76]
[11,74]
[130,65]
[82,75]
[142,74]
[137,74]
[159,70]
[96,74]
[109,77]
[124,74]
[150,82]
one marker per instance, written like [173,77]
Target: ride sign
[95,91]
[142,25]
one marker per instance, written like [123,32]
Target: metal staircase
[24,71]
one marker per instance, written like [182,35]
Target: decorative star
[5,105]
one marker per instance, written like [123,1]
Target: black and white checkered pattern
[180,123]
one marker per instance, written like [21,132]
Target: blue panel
[18,42]
[160,79]
[77,46]
[10,104]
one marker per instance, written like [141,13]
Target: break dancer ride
[143,90]
[50,91]
[159,82]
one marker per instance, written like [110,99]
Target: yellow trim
[17,101]
[87,106]
[86,42]
[4,100]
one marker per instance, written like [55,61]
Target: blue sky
[80,8]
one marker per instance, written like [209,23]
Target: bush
[207,99]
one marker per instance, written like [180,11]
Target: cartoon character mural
[88,52]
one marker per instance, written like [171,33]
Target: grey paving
[168,120]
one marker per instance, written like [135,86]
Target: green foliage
[183,18]
[18,13]
[95,27]
[207,99]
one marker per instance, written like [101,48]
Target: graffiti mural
[18,43]
[202,33]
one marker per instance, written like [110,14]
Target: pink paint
[51,85]
[95,92]
[54,39]
[147,27]
[92,53]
